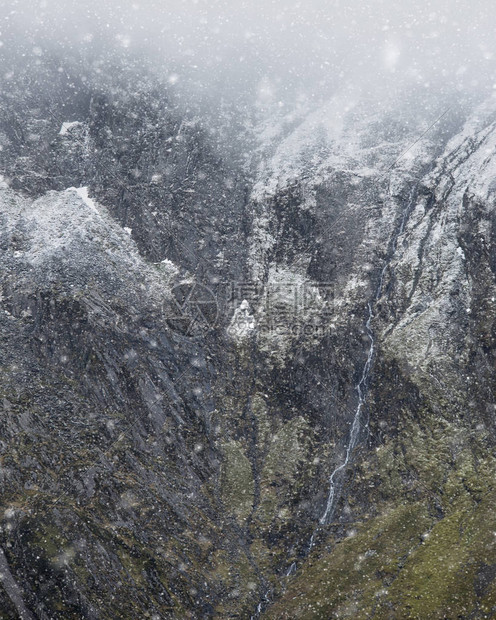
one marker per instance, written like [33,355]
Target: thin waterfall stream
[361,387]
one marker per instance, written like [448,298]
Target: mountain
[247,368]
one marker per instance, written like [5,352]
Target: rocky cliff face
[248,384]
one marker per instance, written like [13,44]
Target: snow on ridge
[353,134]
[67,243]
[300,149]
[470,154]
[67,126]
[82,192]
[344,134]
[68,224]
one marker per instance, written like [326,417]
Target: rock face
[250,384]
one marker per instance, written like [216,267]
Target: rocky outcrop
[414,536]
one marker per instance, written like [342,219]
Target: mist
[272,51]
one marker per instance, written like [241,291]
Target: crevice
[13,589]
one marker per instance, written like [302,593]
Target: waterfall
[361,390]
[361,387]
[355,427]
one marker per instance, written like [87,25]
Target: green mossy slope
[431,553]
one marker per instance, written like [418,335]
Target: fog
[274,50]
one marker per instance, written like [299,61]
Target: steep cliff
[246,379]
[413,536]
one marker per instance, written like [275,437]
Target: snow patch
[82,192]
[68,126]
[242,324]
[170,269]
